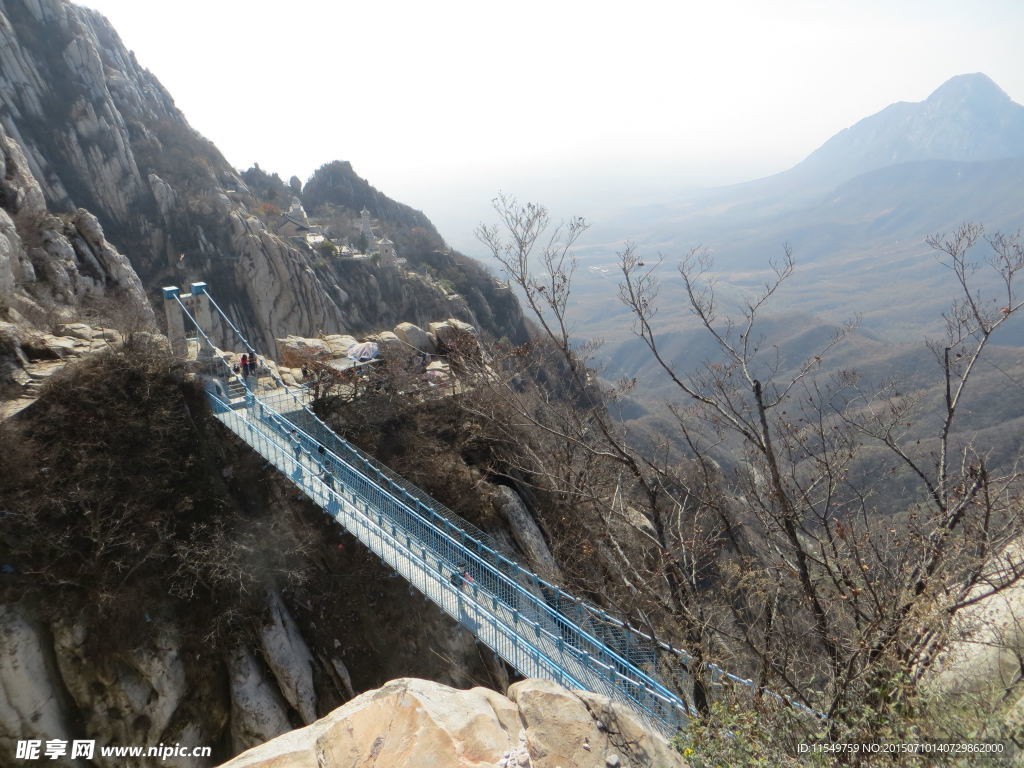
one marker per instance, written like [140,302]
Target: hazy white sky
[440,104]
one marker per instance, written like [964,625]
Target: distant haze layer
[577,104]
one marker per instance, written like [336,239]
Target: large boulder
[387,341]
[288,657]
[416,337]
[453,333]
[339,343]
[579,729]
[392,348]
[988,641]
[258,713]
[413,723]
[296,351]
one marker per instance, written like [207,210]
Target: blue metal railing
[521,611]
[510,618]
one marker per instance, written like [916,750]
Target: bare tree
[630,513]
[788,560]
[877,595]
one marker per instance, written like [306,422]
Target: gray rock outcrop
[452,332]
[133,701]
[296,351]
[51,267]
[258,712]
[415,337]
[56,259]
[339,343]
[100,132]
[527,533]
[984,658]
[288,657]
[31,702]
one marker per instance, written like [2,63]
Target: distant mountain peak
[966,119]
[975,87]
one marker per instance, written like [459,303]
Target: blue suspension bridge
[539,629]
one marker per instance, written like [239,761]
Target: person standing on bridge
[296,444]
[321,459]
[245,365]
[461,577]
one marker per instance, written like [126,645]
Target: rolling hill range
[856,213]
[991,417]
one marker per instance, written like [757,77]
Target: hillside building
[386,249]
[365,227]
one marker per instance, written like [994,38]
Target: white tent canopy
[366,350]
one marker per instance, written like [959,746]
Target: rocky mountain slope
[967,119]
[55,270]
[208,603]
[100,132]
[856,214]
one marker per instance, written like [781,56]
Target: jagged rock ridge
[54,268]
[100,132]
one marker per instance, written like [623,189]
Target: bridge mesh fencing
[558,646]
[637,648]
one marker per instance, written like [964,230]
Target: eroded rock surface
[98,131]
[526,533]
[411,723]
[31,702]
[986,655]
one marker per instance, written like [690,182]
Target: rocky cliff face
[100,132]
[169,689]
[206,603]
[54,268]
[50,260]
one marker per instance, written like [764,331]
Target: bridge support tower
[198,304]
